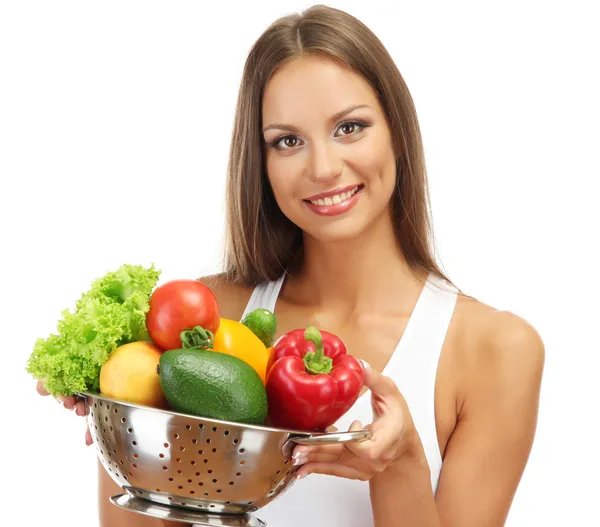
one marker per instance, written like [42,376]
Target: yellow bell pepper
[234,338]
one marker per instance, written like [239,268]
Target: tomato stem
[197,338]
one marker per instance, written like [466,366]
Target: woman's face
[332,172]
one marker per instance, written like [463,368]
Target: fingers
[351,460]
[383,445]
[332,469]
[88,435]
[41,389]
[356,425]
[369,449]
[80,408]
[380,385]
[334,449]
[328,451]
[68,402]
[321,457]
[331,453]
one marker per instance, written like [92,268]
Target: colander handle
[334,437]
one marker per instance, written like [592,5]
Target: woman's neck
[365,273]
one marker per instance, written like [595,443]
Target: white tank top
[328,501]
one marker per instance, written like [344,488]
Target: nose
[325,162]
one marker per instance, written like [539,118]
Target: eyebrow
[334,117]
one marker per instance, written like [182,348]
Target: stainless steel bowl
[188,468]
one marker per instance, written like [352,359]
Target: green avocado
[215,385]
[263,324]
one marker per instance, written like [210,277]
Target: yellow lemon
[130,374]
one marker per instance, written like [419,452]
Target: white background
[115,121]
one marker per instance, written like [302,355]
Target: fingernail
[365,364]
[300,475]
[300,459]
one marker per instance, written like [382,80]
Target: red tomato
[179,305]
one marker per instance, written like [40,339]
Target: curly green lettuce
[111,313]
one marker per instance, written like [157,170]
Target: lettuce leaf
[111,313]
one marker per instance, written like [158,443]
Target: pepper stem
[316,361]
[197,338]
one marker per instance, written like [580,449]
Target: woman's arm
[488,450]
[112,516]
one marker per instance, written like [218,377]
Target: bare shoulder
[501,334]
[500,346]
[231,296]
[497,359]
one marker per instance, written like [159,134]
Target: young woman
[328,225]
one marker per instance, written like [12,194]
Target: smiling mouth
[335,199]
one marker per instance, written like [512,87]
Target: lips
[335,204]
[334,192]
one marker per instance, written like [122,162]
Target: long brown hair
[260,241]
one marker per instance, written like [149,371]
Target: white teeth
[338,198]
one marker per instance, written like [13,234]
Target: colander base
[164,512]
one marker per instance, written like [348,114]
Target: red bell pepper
[311,380]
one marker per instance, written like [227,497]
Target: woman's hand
[393,435]
[70,403]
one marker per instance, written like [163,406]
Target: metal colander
[192,469]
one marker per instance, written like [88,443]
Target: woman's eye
[287,139]
[351,125]
[348,128]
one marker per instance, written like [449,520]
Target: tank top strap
[417,363]
[264,295]
[413,367]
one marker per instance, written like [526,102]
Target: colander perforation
[172,459]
